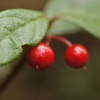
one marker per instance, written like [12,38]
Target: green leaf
[63,27]
[85,21]
[19,27]
[56,7]
[75,20]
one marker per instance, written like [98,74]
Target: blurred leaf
[63,27]
[19,27]
[84,20]
[89,8]
[55,7]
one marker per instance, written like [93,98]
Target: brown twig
[12,74]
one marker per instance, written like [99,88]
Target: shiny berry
[40,57]
[76,56]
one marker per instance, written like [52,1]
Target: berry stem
[85,68]
[59,38]
[48,40]
[53,20]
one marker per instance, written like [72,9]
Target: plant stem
[59,38]
[52,21]
[13,73]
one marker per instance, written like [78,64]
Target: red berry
[40,57]
[76,56]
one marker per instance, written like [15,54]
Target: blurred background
[60,82]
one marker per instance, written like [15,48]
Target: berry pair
[42,56]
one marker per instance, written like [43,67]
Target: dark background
[60,82]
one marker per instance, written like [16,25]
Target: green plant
[20,27]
